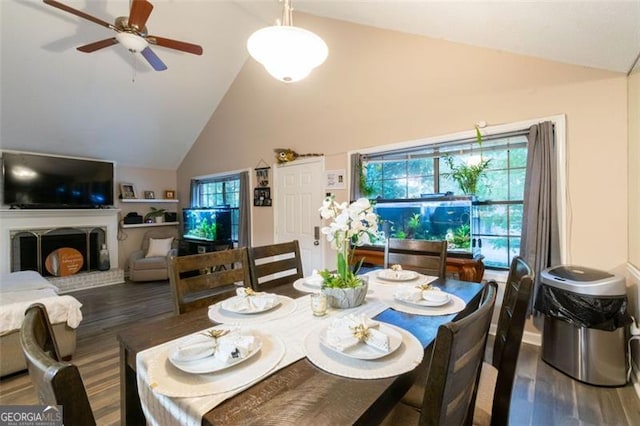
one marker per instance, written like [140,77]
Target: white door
[299,195]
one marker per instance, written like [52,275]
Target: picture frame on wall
[169,194]
[127,191]
[149,195]
[262,197]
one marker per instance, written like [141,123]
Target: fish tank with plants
[437,217]
[206,224]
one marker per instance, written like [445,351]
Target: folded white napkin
[397,274]
[416,294]
[409,294]
[250,301]
[346,332]
[194,349]
[315,280]
[234,346]
[227,349]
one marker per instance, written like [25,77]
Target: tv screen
[40,181]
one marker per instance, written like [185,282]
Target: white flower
[354,223]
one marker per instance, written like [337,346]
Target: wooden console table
[467,269]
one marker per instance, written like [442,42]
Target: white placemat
[218,314]
[167,379]
[301,285]
[454,306]
[407,357]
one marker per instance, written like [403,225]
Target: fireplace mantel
[35,219]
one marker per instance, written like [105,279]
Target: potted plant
[155,214]
[467,175]
[354,224]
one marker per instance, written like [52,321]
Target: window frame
[559,122]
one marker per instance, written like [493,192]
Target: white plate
[422,302]
[314,283]
[227,306]
[391,275]
[210,364]
[364,351]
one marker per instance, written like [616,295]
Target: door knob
[316,235]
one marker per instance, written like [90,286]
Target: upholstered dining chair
[446,398]
[496,379]
[200,280]
[57,382]
[275,265]
[427,257]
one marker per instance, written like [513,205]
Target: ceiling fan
[131,33]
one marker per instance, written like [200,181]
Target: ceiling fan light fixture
[287,52]
[133,43]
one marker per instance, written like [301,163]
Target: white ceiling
[111,105]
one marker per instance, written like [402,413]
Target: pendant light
[288,53]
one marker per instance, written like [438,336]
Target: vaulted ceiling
[111,105]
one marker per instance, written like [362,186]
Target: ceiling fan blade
[175,44]
[79,13]
[92,47]
[140,11]
[153,59]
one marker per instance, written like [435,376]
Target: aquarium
[206,224]
[430,218]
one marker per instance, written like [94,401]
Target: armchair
[143,267]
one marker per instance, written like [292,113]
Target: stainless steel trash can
[591,355]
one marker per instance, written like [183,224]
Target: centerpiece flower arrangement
[352,224]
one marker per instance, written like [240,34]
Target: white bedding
[18,290]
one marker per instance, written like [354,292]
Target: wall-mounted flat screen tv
[41,181]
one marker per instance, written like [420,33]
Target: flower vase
[350,297]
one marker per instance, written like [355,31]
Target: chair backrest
[427,257]
[56,382]
[275,265]
[455,366]
[513,313]
[200,280]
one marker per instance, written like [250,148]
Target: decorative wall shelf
[147,200]
[147,225]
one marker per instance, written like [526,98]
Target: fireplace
[30,249]
[29,236]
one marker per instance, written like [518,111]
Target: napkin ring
[361,332]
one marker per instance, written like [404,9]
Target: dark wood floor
[542,395]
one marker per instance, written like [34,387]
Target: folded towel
[249,301]
[346,332]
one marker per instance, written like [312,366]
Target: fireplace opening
[30,248]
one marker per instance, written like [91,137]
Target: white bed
[18,290]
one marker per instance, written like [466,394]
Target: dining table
[299,392]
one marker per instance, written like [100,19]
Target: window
[419,171]
[219,191]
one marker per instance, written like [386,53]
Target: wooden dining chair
[57,382]
[426,257]
[275,265]
[200,280]
[447,395]
[496,380]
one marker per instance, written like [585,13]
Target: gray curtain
[354,182]
[244,207]
[195,193]
[540,244]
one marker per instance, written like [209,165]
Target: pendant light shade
[288,53]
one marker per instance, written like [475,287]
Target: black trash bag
[602,313]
